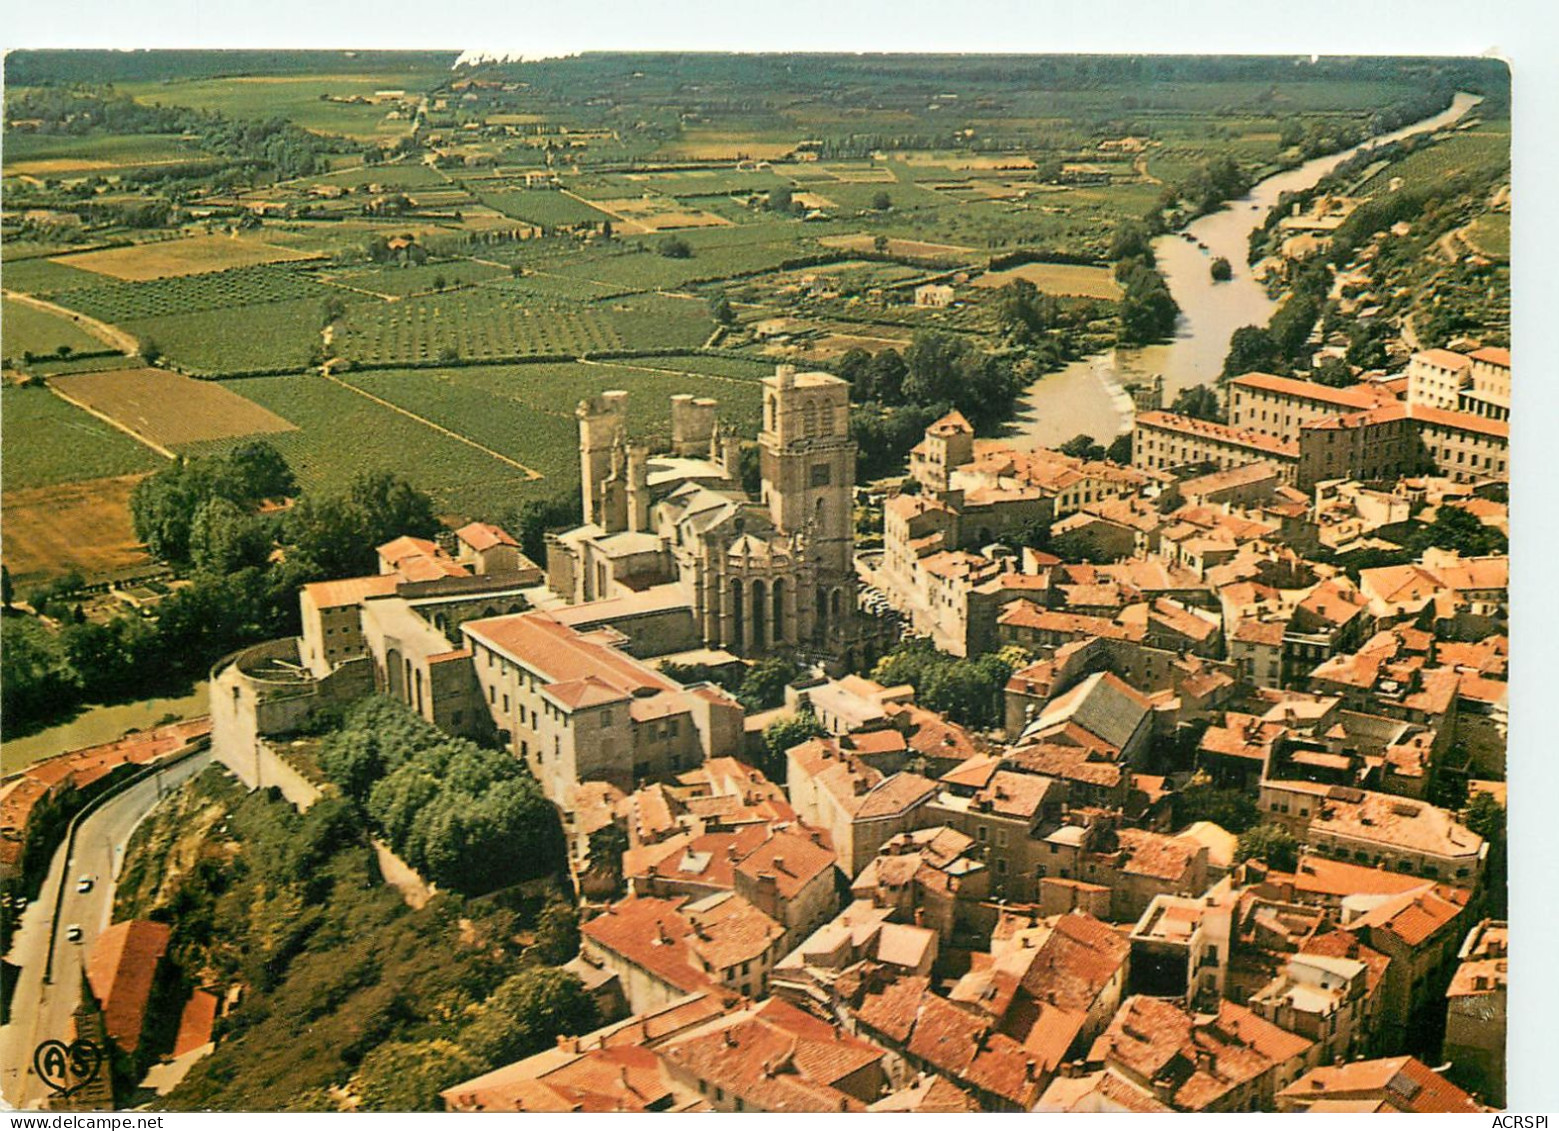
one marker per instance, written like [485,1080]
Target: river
[1086,396]
[96,725]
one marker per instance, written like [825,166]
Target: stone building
[757,574]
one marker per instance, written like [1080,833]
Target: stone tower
[808,464]
[603,420]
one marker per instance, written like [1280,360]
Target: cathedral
[776,573]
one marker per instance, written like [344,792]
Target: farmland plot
[25,329]
[275,335]
[81,527]
[340,434]
[193,255]
[49,441]
[473,324]
[223,290]
[167,408]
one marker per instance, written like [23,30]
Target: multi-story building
[1476,1010]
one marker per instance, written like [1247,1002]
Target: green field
[340,434]
[43,276]
[493,322]
[523,412]
[297,98]
[276,335]
[53,155]
[48,441]
[1470,151]
[548,207]
[1490,234]
[24,329]
[117,302]
[402,281]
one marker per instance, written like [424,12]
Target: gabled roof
[484,536]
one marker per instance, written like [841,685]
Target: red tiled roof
[1403,1082]
[484,536]
[121,969]
[1352,396]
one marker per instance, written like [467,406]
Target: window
[821,475]
[983,833]
[606,718]
[506,703]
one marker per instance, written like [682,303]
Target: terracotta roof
[793,860]
[928,1094]
[951,1040]
[1221,433]
[1445,359]
[776,1058]
[953,422]
[406,546]
[1463,421]
[350,590]
[1412,917]
[563,656]
[901,792]
[121,968]
[1404,1083]
[1351,396]
[1199,1059]
[1157,855]
[484,536]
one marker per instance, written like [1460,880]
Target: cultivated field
[168,409]
[909,249]
[25,329]
[194,255]
[247,339]
[49,441]
[1057,279]
[82,527]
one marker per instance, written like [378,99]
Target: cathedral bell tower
[808,466]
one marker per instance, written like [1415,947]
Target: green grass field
[48,441]
[275,335]
[53,155]
[297,98]
[496,322]
[24,329]
[340,434]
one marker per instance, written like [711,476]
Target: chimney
[779,865]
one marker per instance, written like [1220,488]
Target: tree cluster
[468,818]
[968,691]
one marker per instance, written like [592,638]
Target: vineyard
[499,323]
[340,433]
[246,339]
[400,282]
[1471,152]
[49,441]
[548,207]
[219,290]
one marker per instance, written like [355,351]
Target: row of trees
[468,818]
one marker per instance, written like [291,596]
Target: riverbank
[97,725]
[1086,396]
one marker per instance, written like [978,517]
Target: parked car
[84,884]
[73,932]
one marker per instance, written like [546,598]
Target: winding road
[42,1009]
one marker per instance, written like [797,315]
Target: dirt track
[105,332]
